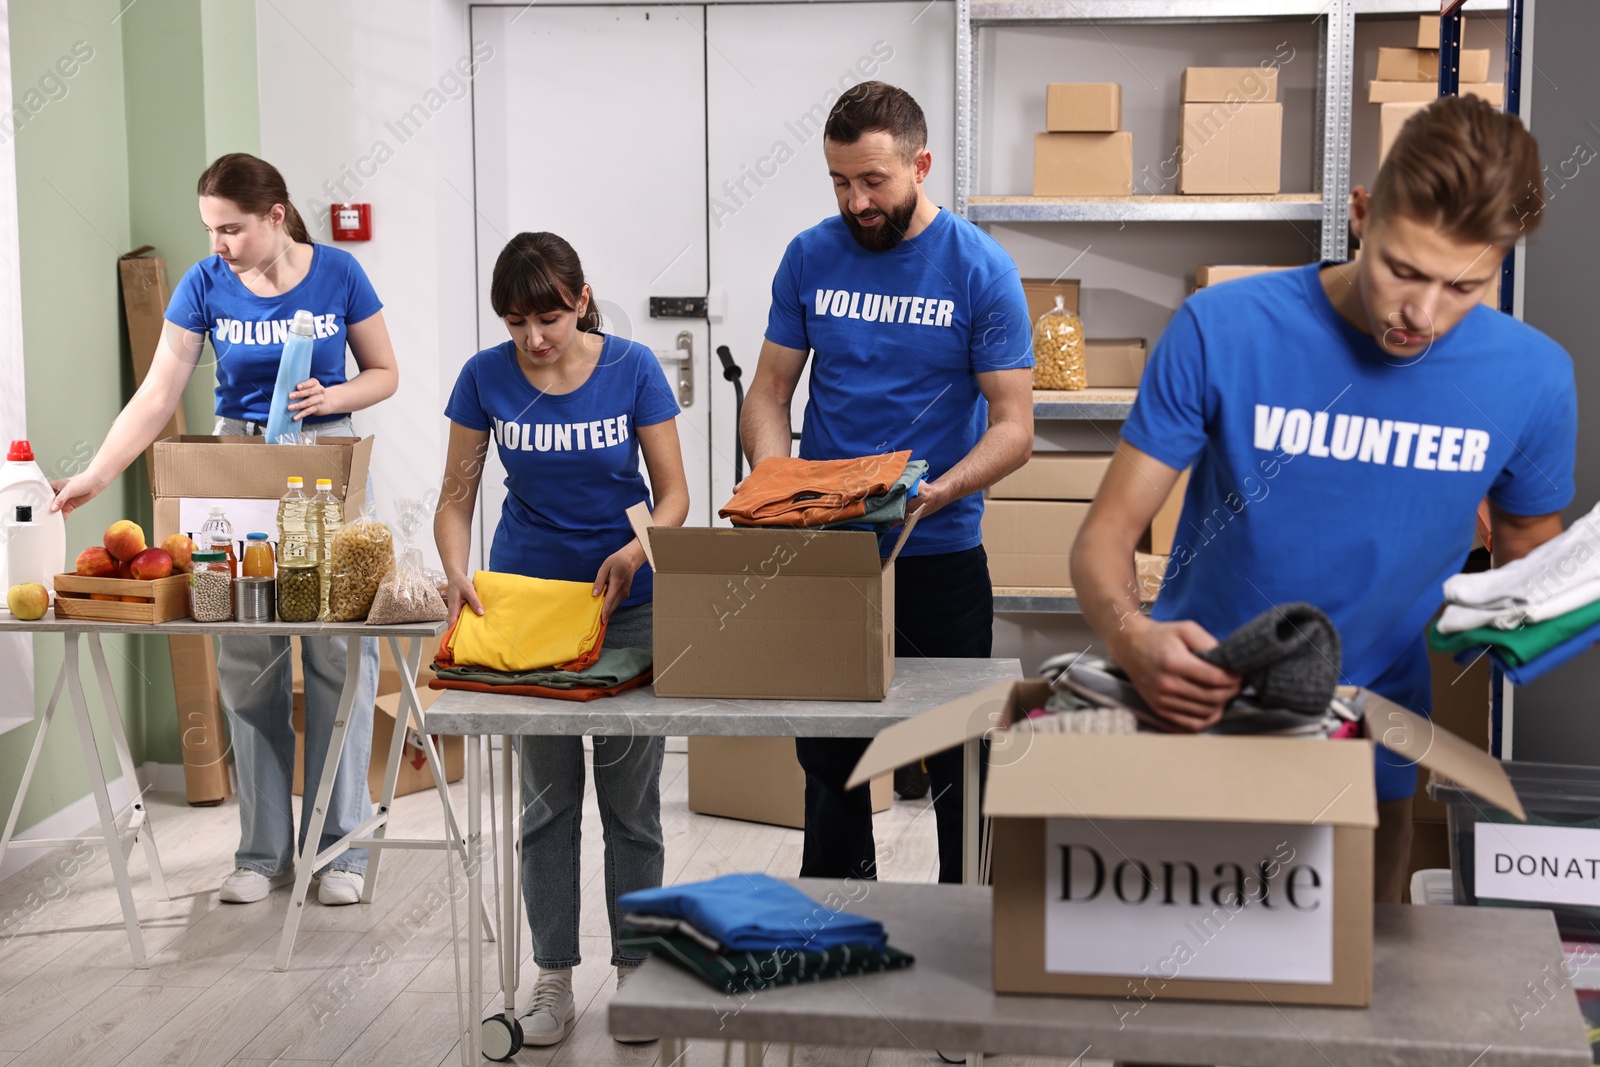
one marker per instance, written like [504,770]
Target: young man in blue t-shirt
[918,333]
[1343,422]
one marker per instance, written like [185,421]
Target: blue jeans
[627,780]
[255,680]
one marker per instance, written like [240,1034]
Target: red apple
[124,539]
[96,562]
[150,564]
[180,548]
[125,569]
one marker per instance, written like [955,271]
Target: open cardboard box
[774,613]
[1186,867]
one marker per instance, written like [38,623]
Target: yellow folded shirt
[528,624]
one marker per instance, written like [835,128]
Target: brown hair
[255,185]
[878,106]
[1463,166]
[537,273]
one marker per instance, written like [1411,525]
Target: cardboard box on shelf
[757,779]
[1391,117]
[1164,527]
[777,613]
[1215,274]
[1268,838]
[1083,164]
[1114,364]
[1422,65]
[1083,107]
[1382,92]
[1054,476]
[1232,85]
[1428,32]
[1029,542]
[1235,150]
[1041,295]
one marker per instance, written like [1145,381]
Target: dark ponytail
[255,185]
[539,272]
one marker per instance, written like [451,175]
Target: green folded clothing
[615,666]
[748,972]
[1524,644]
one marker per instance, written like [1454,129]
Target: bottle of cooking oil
[327,513]
[295,544]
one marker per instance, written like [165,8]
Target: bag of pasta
[408,592]
[362,553]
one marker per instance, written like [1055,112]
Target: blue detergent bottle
[294,367]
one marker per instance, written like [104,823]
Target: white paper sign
[1229,901]
[1542,864]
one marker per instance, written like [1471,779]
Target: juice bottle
[217,536]
[328,512]
[294,532]
[257,556]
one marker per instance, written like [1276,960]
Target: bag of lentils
[407,593]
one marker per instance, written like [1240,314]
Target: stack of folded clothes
[536,637]
[1533,614]
[869,493]
[747,932]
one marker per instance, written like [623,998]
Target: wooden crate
[160,600]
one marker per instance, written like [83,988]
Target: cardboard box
[757,779]
[1119,860]
[1054,476]
[1164,527]
[198,467]
[1428,31]
[1150,570]
[1231,149]
[1460,705]
[1391,117]
[1041,295]
[1382,92]
[1083,107]
[776,613]
[414,775]
[1422,65]
[1214,274]
[1029,542]
[1083,164]
[1114,364]
[1233,85]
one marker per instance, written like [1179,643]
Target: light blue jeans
[255,679]
[627,782]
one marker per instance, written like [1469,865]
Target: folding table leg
[754,1053]
[138,822]
[474,1043]
[102,799]
[319,813]
[33,761]
[391,776]
[511,865]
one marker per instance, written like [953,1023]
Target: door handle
[683,356]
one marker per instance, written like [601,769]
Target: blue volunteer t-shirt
[248,331]
[898,339]
[1326,471]
[572,460]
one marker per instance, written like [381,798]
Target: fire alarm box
[351,222]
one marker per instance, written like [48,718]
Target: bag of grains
[407,593]
[362,553]
[1058,346]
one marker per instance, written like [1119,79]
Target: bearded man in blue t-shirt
[918,335]
[1342,422]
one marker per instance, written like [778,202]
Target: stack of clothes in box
[1533,614]
[747,932]
[869,493]
[539,638]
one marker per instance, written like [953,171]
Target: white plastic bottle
[27,549]
[22,482]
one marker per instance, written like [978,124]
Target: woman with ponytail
[263,269]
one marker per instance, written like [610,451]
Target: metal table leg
[473,1045]
[139,828]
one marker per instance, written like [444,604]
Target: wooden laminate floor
[368,984]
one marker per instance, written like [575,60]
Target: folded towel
[528,624]
[1560,576]
[1522,645]
[1524,673]
[756,912]
[615,666]
[748,972]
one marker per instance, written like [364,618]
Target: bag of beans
[362,553]
[408,593]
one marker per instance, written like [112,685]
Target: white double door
[678,149]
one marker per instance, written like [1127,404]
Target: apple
[150,564]
[124,539]
[180,548]
[96,562]
[125,569]
[28,601]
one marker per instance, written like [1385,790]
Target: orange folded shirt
[784,491]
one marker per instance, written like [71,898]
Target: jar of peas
[299,591]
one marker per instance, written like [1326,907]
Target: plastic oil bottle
[294,367]
[22,482]
[295,544]
[328,513]
[217,536]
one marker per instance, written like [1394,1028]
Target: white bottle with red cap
[45,544]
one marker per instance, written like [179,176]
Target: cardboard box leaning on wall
[1083,164]
[1083,107]
[1231,150]
[1266,838]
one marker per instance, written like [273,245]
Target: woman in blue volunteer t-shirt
[570,409]
[263,269]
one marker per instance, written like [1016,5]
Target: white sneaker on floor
[623,974]
[339,887]
[245,886]
[548,1019]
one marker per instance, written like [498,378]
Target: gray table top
[1445,980]
[919,684]
[52,625]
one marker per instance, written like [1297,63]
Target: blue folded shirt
[1523,674]
[755,912]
